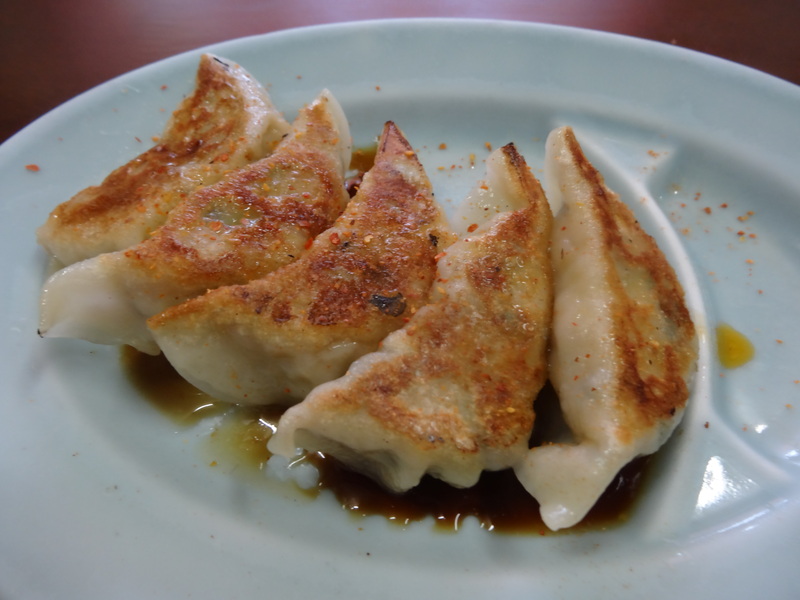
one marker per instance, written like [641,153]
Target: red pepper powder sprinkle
[33,167]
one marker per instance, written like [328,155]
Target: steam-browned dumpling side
[274,339]
[451,394]
[623,347]
[226,123]
[258,219]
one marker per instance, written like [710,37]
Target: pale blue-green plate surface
[101,496]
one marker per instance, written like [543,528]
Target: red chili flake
[472,227]
[164,87]
[724,205]
[442,146]
[32,167]
[335,238]
[706,425]
[707,210]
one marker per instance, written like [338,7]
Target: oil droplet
[733,347]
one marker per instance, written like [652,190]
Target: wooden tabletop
[55,49]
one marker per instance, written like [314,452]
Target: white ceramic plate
[103,497]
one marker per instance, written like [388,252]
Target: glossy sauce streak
[498,501]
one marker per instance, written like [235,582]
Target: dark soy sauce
[498,500]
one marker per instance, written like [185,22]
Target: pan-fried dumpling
[274,339]
[227,122]
[452,393]
[256,220]
[623,345]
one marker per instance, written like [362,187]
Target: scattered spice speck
[33,168]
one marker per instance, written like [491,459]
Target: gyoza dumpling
[226,123]
[258,219]
[450,394]
[274,339]
[623,342]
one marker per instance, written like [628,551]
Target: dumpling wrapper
[623,343]
[227,122]
[450,394]
[258,219]
[273,340]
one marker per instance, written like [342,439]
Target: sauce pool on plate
[498,500]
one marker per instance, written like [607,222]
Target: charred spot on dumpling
[394,306]
[434,239]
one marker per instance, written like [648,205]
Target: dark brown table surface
[55,49]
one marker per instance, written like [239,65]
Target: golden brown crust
[654,333]
[203,140]
[258,219]
[452,391]
[358,280]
